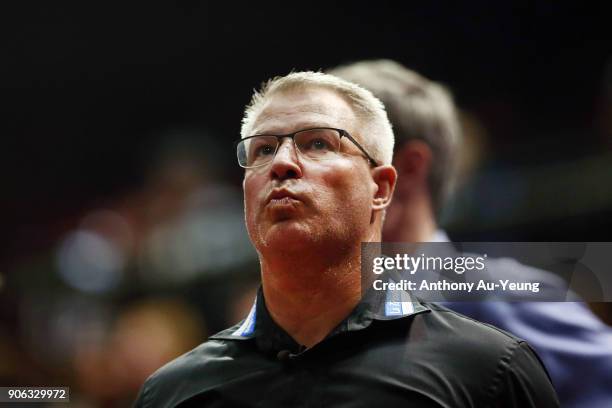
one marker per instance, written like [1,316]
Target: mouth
[282,196]
[283,204]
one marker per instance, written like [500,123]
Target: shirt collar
[375,305]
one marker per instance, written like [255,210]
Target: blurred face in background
[295,201]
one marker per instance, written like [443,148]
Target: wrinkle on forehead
[289,111]
[287,122]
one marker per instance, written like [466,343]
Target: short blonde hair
[378,137]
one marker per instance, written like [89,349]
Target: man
[572,342]
[317,155]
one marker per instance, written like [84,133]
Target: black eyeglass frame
[341,132]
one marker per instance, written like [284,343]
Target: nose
[285,164]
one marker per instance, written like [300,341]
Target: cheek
[350,192]
[252,187]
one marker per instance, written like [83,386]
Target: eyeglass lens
[318,144]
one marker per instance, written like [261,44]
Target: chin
[288,233]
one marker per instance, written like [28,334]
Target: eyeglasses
[315,143]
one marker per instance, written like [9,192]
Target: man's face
[294,201]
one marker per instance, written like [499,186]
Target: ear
[413,163]
[384,178]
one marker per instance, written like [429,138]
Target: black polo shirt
[387,353]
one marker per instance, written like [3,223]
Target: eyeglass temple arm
[349,137]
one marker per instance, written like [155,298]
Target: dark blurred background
[123,242]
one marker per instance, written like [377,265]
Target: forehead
[290,110]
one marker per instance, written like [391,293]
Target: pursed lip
[280,193]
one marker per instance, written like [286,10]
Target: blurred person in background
[132,283]
[317,155]
[146,335]
[570,339]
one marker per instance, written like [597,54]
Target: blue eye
[319,144]
[264,150]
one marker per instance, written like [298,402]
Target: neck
[410,221]
[309,294]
